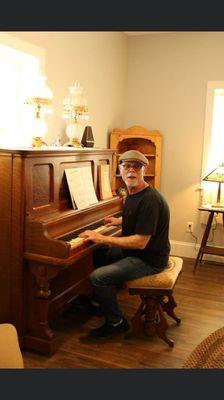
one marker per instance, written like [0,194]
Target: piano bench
[156,294]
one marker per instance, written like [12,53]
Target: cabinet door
[137,138]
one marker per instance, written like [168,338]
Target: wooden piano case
[39,274]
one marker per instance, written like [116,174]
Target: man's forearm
[129,242]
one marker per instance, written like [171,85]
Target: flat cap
[133,155]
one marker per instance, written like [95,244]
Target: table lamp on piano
[42,101]
[216,175]
[75,112]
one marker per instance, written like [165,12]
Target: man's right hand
[112,221]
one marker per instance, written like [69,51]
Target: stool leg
[136,321]
[162,326]
[150,316]
[169,308]
[155,321]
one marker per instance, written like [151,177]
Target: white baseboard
[183,249]
[189,250]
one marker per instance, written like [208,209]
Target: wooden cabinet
[137,138]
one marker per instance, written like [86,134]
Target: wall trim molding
[189,250]
[183,249]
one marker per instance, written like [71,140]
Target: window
[19,70]
[213,152]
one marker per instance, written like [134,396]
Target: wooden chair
[156,293]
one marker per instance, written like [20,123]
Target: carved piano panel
[41,271]
[42,177]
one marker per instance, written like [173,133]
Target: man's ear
[119,166]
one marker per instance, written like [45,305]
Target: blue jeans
[113,269]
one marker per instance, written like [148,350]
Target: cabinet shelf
[137,138]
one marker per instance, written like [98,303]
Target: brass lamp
[217,175]
[42,101]
[75,111]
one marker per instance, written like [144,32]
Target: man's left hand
[92,235]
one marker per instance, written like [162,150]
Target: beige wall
[167,78]
[98,60]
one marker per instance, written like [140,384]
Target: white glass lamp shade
[39,128]
[42,90]
[71,130]
[75,105]
[42,96]
[76,92]
[75,111]
[74,133]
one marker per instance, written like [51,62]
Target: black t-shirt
[147,213]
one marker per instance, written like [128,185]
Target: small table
[204,249]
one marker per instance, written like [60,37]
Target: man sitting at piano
[142,249]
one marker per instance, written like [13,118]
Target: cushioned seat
[156,293]
[10,353]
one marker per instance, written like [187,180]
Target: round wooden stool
[156,293]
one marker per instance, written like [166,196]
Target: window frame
[209,109]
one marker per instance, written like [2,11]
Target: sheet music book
[80,183]
[104,182]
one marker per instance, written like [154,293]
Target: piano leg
[40,336]
[49,290]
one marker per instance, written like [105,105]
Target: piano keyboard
[79,240]
[74,239]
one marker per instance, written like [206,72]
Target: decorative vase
[74,131]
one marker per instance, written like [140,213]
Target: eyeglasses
[134,165]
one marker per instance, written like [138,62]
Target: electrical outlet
[190,227]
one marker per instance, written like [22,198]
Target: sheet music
[80,183]
[104,182]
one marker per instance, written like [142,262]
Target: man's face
[132,173]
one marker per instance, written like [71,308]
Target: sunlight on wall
[18,74]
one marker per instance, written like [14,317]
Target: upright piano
[43,263]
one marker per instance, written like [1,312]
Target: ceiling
[137,33]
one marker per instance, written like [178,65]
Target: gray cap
[133,155]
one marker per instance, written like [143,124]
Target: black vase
[87,138]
